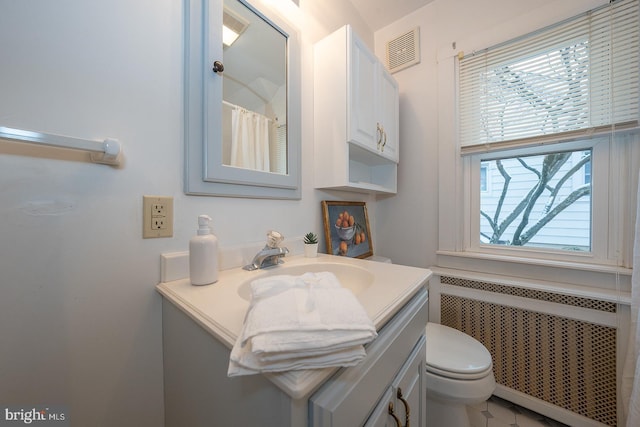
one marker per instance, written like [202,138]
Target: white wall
[80,320]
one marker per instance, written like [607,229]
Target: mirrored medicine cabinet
[242,102]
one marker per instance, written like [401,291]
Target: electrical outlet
[157,215]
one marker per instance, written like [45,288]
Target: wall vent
[566,362]
[234,21]
[403,51]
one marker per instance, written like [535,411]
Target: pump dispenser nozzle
[204,222]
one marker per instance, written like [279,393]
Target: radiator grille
[593,304]
[566,362]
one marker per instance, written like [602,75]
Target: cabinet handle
[378,135]
[218,67]
[407,409]
[384,132]
[394,415]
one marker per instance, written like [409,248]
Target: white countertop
[219,309]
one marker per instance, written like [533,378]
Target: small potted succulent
[310,245]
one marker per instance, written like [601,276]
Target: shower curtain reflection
[249,139]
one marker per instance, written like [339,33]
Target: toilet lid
[454,354]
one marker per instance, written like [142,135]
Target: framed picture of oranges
[346,229]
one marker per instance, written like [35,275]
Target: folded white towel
[277,356]
[244,362]
[304,305]
[301,342]
[300,322]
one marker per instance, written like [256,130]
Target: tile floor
[497,412]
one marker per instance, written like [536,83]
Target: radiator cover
[565,362]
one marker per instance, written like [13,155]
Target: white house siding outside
[569,230]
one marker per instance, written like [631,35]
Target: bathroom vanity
[201,324]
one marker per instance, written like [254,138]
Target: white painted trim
[570,265]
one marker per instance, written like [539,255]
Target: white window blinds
[572,79]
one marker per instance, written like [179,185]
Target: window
[544,119]
[534,202]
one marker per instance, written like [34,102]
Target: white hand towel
[300,322]
[301,342]
[276,356]
[244,362]
[309,308]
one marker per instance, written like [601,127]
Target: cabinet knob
[394,415]
[218,67]
[407,409]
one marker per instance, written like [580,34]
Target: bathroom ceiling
[380,13]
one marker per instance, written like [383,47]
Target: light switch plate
[157,217]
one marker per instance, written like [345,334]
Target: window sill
[600,268]
[587,267]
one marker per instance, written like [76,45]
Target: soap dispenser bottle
[203,254]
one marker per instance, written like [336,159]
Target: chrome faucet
[271,254]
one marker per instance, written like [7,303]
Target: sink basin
[351,277]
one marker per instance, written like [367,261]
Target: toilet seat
[454,354]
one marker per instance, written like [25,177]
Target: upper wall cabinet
[372,94]
[242,102]
[356,117]
[388,113]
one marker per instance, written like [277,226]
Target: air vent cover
[233,21]
[403,51]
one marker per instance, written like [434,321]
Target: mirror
[254,91]
[242,102]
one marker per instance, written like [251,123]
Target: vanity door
[395,360]
[404,403]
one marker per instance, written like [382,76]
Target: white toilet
[459,373]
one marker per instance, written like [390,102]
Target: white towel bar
[108,152]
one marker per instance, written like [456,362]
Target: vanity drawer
[351,394]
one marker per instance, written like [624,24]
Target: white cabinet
[198,391]
[361,69]
[388,113]
[355,116]
[404,402]
[396,361]
[372,96]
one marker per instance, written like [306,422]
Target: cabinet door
[380,416]
[407,394]
[388,114]
[351,396]
[361,93]
[410,387]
